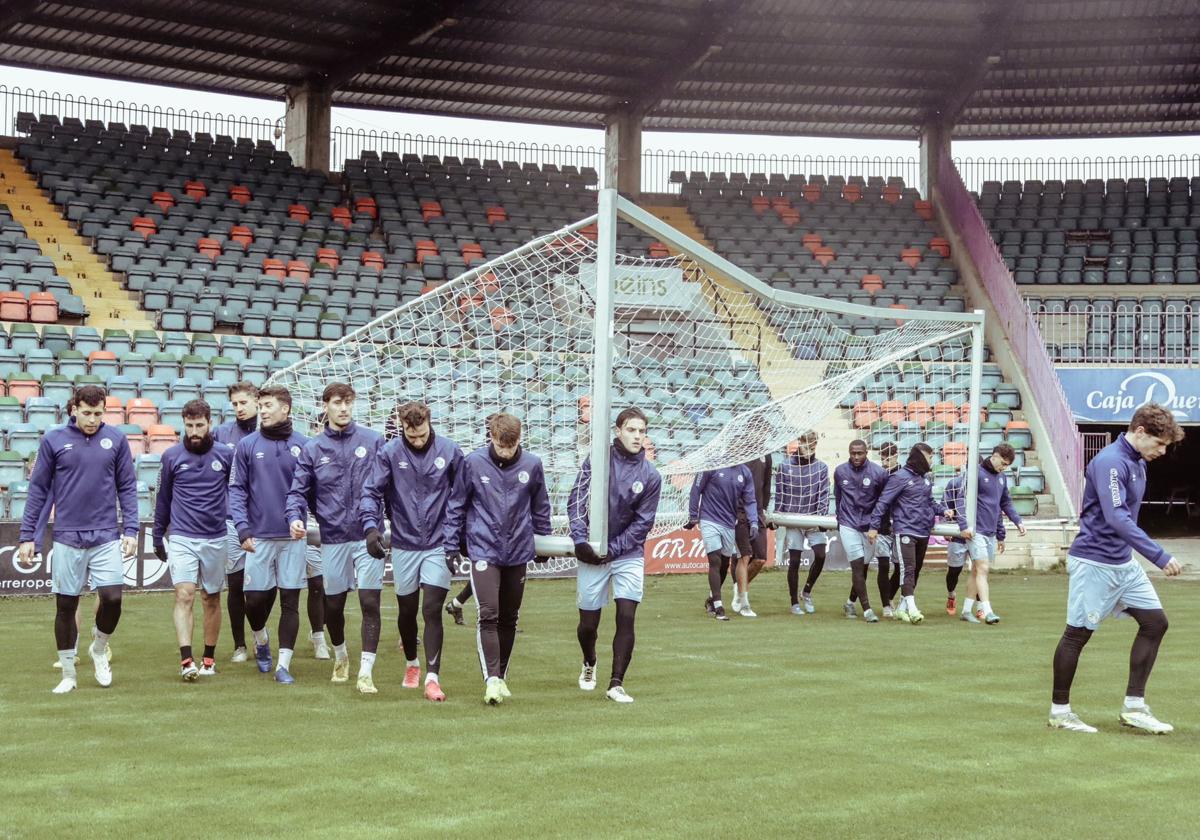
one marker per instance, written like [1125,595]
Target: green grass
[812,727]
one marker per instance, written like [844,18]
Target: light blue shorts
[100,565]
[956,554]
[983,547]
[411,568]
[312,561]
[854,543]
[796,538]
[883,549]
[275,563]
[625,576]
[199,561]
[348,566]
[235,558]
[719,538]
[1097,590]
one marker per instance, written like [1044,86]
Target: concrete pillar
[623,153]
[934,143]
[308,124]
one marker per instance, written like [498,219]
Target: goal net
[726,369]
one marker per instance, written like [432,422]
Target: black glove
[541,560]
[453,559]
[584,553]
[763,524]
[160,550]
[689,526]
[375,544]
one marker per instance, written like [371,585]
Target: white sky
[156,96]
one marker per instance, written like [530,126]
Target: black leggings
[1152,626]
[431,612]
[623,639]
[316,603]
[235,603]
[718,569]
[107,615]
[793,572]
[910,551]
[952,575]
[814,571]
[335,617]
[498,592]
[368,602]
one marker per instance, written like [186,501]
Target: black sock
[316,603]
[586,632]
[185,653]
[858,572]
[1152,626]
[1066,660]
[882,583]
[368,602]
[210,651]
[431,611]
[814,571]
[335,618]
[894,581]
[715,575]
[406,622]
[65,631]
[725,563]
[623,640]
[289,618]
[235,605]
[793,574]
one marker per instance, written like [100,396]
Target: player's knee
[981,568]
[818,552]
[1153,623]
[67,604]
[431,610]
[715,560]
[1076,637]
[185,593]
[110,596]
[316,584]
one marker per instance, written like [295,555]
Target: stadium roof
[859,68]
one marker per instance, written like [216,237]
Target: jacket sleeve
[539,505]
[887,499]
[127,489]
[239,491]
[303,486]
[39,491]
[939,509]
[694,496]
[370,504]
[456,510]
[1114,505]
[954,500]
[578,503]
[764,493]
[1001,531]
[1007,506]
[837,491]
[749,502]
[823,491]
[162,503]
[643,519]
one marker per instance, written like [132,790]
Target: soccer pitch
[776,726]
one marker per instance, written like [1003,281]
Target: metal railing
[15,100]
[975,171]
[349,143]
[1126,335]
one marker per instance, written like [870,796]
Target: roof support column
[934,144]
[308,122]
[623,153]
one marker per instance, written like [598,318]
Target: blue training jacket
[855,492]
[497,509]
[954,499]
[634,487]
[229,434]
[992,500]
[329,480]
[78,474]
[193,492]
[802,487]
[716,493]
[1114,484]
[259,481]
[414,487]
[909,498]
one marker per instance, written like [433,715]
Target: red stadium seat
[242,234]
[211,248]
[43,308]
[298,270]
[824,255]
[502,318]
[144,225]
[760,203]
[239,193]
[892,411]
[852,193]
[812,193]
[328,256]
[430,210]
[924,209]
[496,214]
[941,245]
[367,206]
[141,412]
[137,443]
[954,454]
[866,412]
[425,248]
[487,284]
[911,256]
[373,259]
[919,412]
[23,388]
[472,253]
[658,251]
[965,414]
[114,411]
[892,193]
[160,438]
[341,215]
[468,302]
[946,412]
[811,241]
[872,283]
[299,213]
[273,267]
[195,189]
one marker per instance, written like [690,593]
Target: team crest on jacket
[216,466]
[481,565]
[866,482]
[324,460]
[360,452]
[741,479]
[402,464]
[295,450]
[523,477]
[638,487]
[106,444]
[439,462]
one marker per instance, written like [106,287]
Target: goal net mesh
[725,375]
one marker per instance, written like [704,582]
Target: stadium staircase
[780,371]
[110,305]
